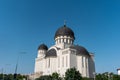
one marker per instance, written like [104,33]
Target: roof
[118,69]
[42,47]
[80,50]
[64,31]
[51,53]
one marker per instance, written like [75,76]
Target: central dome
[64,31]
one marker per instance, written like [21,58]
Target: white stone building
[118,71]
[64,55]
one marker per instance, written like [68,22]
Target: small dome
[80,50]
[42,47]
[64,31]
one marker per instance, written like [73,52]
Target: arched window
[48,62]
[58,62]
[59,40]
[68,41]
[82,61]
[65,40]
[62,61]
[66,61]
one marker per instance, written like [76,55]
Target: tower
[42,49]
[39,62]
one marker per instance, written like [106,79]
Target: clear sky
[25,24]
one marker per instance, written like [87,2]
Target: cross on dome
[64,23]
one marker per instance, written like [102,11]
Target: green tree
[116,77]
[56,76]
[45,77]
[85,78]
[99,77]
[107,76]
[72,74]
[11,77]
[1,76]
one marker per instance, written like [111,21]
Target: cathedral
[64,54]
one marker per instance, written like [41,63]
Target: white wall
[73,60]
[82,65]
[39,65]
[119,72]
[91,67]
[64,56]
[79,63]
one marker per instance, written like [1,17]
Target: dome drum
[64,39]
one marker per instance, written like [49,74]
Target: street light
[16,68]
[94,74]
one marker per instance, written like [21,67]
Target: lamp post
[3,73]
[108,76]
[94,74]
[16,68]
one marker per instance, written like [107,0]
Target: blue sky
[25,24]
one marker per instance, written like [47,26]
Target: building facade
[118,71]
[64,55]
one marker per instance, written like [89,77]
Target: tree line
[73,74]
[70,74]
[11,77]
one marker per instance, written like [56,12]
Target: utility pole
[3,73]
[16,68]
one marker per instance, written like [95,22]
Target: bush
[72,74]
